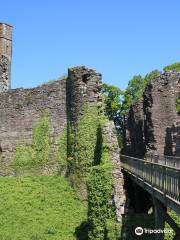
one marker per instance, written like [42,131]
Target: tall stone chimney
[5,56]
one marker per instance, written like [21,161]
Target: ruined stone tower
[5,56]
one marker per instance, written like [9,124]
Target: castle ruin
[63,100]
[5,56]
[153,123]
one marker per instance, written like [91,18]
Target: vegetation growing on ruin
[81,157]
[62,152]
[174,66]
[178,104]
[90,172]
[38,153]
[39,208]
[41,142]
[101,213]
[84,157]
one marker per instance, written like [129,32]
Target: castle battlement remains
[5,56]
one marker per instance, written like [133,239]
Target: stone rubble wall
[4,73]
[134,137]
[5,56]
[152,125]
[21,109]
[118,178]
[83,87]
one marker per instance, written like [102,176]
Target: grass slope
[39,208]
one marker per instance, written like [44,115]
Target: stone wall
[64,101]
[83,87]
[21,109]
[153,123]
[5,56]
[118,178]
[161,114]
[134,139]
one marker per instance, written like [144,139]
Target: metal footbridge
[160,177]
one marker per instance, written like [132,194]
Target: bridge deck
[162,181]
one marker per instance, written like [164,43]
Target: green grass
[39,208]
[176,218]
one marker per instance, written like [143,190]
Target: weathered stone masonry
[153,124]
[20,109]
[5,56]
[83,87]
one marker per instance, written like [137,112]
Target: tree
[113,98]
[118,102]
[136,87]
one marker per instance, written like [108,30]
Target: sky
[118,38]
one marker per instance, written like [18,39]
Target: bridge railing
[171,161]
[161,177]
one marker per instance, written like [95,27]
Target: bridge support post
[159,219]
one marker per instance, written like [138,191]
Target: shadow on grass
[81,231]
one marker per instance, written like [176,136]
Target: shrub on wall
[41,142]
[62,153]
[101,210]
[81,147]
[83,139]
[37,154]
[25,157]
[90,166]
[174,66]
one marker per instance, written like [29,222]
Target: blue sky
[118,38]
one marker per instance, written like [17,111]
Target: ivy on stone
[62,153]
[38,153]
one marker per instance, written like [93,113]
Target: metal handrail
[162,177]
[161,160]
